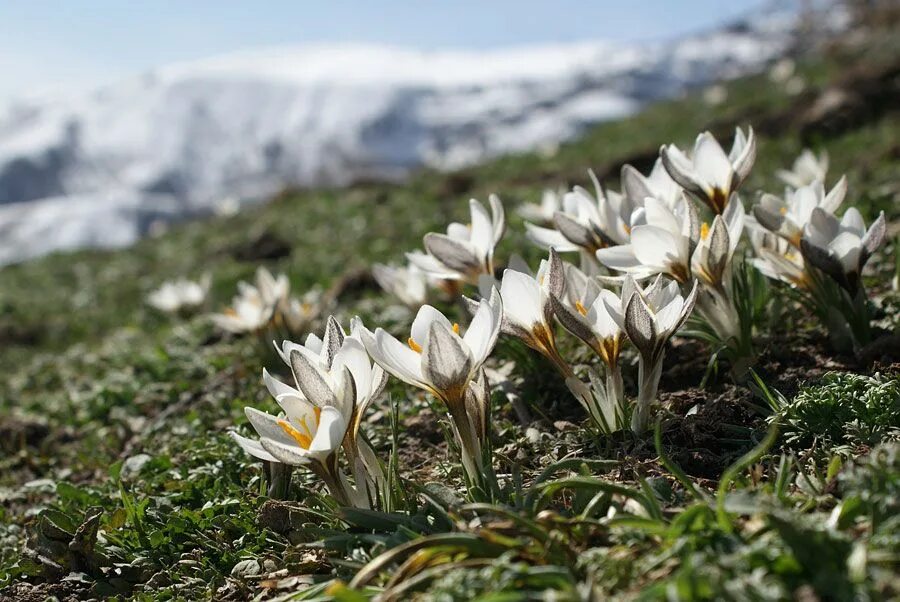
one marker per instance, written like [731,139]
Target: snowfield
[97,169]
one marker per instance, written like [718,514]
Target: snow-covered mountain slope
[96,169]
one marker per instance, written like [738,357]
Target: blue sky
[52,45]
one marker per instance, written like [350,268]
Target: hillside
[113,416]
[203,137]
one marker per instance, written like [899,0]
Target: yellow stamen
[627,229]
[783,211]
[229,311]
[456,327]
[302,440]
[580,307]
[704,230]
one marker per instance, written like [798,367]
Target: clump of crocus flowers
[658,254]
[799,240]
[266,308]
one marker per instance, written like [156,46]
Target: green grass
[114,418]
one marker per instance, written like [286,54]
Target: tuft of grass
[844,409]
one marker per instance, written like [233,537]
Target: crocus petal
[836,196]
[573,321]
[353,355]
[746,157]
[681,169]
[267,426]
[312,382]
[853,222]
[621,258]
[658,248]
[482,237]
[549,238]
[659,215]
[446,361]
[498,217]
[276,387]
[634,184]
[296,408]
[573,231]
[286,453]
[481,336]
[459,231]
[422,323]
[432,266]
[252,447]
[668,317]
[639,326]
[456,255]
[331,343]
[875,235]
[711,162]
[847,248]
[523,298]
[395,357]
[330,432]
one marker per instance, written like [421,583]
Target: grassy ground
[117,477]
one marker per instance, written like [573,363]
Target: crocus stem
[615,394]
[476,452]
[648,385]
[328,472]
[859,319]
[561,365]
[279,477]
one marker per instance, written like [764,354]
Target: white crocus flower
[542,213]
[254,306]
[248,313]
[841,248]
[299,314]
[788,216]
[305,435]
[180,295]
[661,242]
[649,316]
[585,222]
[267,304]
[711,259]
[465,251]
[331,374]
[658,185]
[583,313]
[408,284]
[710,175]
[807,168]
[777,259]
[339,373]
[527,311]
[711,264]
[272,289]
[438,358]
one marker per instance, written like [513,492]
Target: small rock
[564,425]
[133,466]
[246,568]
